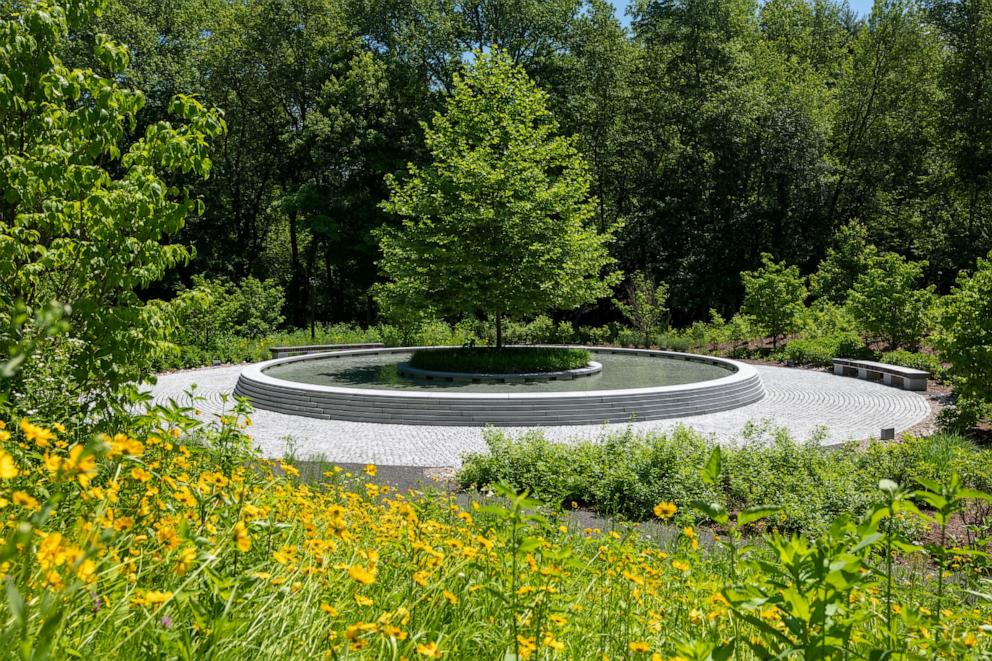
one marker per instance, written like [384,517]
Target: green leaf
[715,511]
[755,513]
[710,471]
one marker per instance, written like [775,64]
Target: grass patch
[509,360]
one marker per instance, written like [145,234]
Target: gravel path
[809,404]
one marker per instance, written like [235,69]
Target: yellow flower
[86,572]
[38,435]
[970,640]
[681,566]
[152,598]
[371,470]
[362,575]
[420,578]
[362,600]
[25,500]
[186,558]
[665,510]
[241,538]
[8,467]
[553,643]
[429,650]
[330,610]
[639,646]
[526,647]
[85,467]
[140,474]
[450,596]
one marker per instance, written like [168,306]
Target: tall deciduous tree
[501,221]
[84,215]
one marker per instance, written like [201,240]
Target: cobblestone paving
[809,404]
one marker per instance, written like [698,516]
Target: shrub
[821,351]
[594,335]
[626,473]
[886,304]
[628,337]
[774,297]
[965,341]
[921,361]
[213,312]
[644,307]
[848,257]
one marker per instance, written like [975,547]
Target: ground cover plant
[627,473]
[174,539]
[508,360]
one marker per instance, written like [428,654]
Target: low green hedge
[626,474]
[508,360]
[920,361]
[820,351]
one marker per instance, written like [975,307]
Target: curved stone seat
[740,387]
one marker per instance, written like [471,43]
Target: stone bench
[282,352]
[906,378]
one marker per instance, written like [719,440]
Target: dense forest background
[716,129]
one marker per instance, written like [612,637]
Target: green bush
[965,341]
[920,361]
[888,306]
[821,351]
[594,335]
[628,473]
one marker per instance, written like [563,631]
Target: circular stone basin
[417,374]
[365,385]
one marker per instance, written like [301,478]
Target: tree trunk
[499,331]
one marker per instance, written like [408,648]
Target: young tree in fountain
[500,222]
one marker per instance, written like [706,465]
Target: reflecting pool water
[620,371]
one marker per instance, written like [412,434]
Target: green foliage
[965,341]
[820,351]
[850,256]
[627,474]
[774,296]
[921,361]
[86,204]
[645,305]
[886,305]
[500,221]
[213,307]
[508,360]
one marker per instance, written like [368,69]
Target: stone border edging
[743,386]
[405,369]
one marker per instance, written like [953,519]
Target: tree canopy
[714,131]
[86,204]
[500,222]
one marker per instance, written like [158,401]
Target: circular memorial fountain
[618,385]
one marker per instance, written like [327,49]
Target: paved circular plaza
[809,404]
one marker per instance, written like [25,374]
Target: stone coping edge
[740,373]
